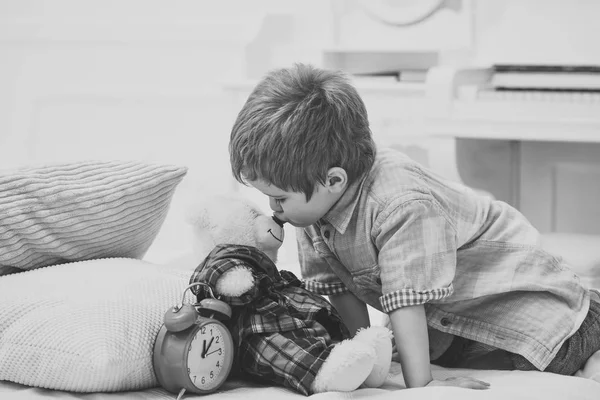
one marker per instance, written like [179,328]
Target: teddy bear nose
[278,221]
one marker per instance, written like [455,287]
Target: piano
[538,149]
[465,104]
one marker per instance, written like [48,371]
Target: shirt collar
[340,214]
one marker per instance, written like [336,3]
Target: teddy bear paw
[235,282]
[348,365]
[380,339]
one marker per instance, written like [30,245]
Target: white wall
[537,31]
[121,78]
[482,31]
[77,76]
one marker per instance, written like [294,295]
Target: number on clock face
[206,357]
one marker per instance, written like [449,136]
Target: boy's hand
[463,382]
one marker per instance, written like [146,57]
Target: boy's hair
[298,123]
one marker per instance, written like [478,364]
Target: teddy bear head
[232,219]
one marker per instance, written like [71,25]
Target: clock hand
[214,351]
[207,347]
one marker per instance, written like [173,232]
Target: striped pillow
[79,211]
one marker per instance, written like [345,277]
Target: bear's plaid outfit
[282,332]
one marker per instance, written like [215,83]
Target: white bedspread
[505,385]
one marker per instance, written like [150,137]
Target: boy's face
[292,207]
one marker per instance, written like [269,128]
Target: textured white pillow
[83,210]
[86,326]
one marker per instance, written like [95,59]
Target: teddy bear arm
[235,282]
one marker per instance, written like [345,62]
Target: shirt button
[326,234]
[445,321]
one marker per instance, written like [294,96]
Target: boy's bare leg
[591,369]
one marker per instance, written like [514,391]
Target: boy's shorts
[575,351]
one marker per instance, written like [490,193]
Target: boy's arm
[352,310]
[412,343]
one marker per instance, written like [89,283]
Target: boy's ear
[337,180]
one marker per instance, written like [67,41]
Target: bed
[512,385]
[124,225]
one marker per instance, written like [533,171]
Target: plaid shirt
[283,333]
[404,236]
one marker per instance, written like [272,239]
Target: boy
[461,276]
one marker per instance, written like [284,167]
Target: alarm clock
[193,350]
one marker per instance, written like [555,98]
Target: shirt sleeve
[417,253]
[317,275]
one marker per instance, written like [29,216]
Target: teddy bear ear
[196,216]
[195,212]
[220,209]
[205,212]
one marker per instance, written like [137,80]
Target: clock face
[210,355]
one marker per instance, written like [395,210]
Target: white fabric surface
[506,385]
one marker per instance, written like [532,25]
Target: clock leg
[180,394]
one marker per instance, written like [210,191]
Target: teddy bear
[283,334]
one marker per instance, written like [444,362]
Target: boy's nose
[274,206]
